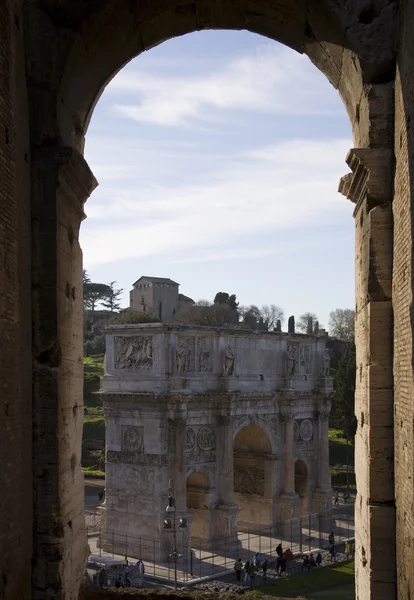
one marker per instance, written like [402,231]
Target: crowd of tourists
[255,568]
[123,575]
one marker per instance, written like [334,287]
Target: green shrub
[339,478]
[94,428]
[93,371]
[339,454]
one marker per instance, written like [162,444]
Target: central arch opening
[253,477]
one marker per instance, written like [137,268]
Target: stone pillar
[289,420]
[289,501]
[224,452]
[322,496]
[370,187]
[225,514]
[177,468]
[324,477]
[62,182]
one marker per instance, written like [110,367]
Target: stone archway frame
[206,470]
[241,423]
[88,43]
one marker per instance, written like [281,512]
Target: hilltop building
[157,296]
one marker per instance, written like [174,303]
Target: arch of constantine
[56,57]
[237,419]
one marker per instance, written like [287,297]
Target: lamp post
[170,525]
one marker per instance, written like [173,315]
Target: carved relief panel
[132,438]
[249,479]
[133,352]
[291,359]
[200,444]
[185,356]
[204,358]
[305,359]
[303,430]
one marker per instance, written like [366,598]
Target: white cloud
[289,185]
[273,79]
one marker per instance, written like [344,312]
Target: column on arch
[369,186]
[225,514]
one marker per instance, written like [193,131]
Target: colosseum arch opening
[59,63]
[253,478]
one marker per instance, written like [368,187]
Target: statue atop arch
[229,359]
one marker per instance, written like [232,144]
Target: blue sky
[218,156]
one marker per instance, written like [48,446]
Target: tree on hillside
[251,317]
[111,301]
[225,298]
[263,319]
[86,278]
[131,317]
[342,323]
[343,404]
[205,314]
[93,293]
[271,314]
[303,322]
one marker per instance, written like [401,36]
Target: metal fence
[200,558]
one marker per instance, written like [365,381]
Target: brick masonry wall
[403,304]
[15,327]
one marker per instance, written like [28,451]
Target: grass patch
[94,411]
[306,584]
[91,472]
[94,364]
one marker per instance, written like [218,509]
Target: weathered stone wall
[403,304]
[15,327]
[72,49]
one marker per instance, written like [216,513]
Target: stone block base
[290,522]
[225,527]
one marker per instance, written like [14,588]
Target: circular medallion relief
[132,439]
[206,439]
[189,439]
[296,430]
[306,430]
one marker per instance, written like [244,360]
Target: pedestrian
[312,562]
[120,582]
[264,567]
[246,572]
[256,560]
[336,498]
[102,577]
[252,574]
[238,566]
[331,538]
[319,559]
[283,562]
[141,572]
[279,550]
[289,558]
[347,549]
